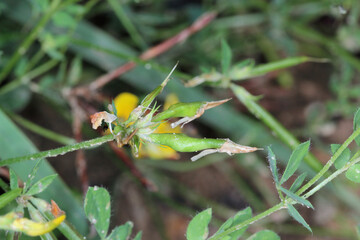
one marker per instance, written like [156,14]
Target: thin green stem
[35,59]
[59,151]
[25,79]
[249,221]
[130,28]
[4,186]
[355,159]
[66,228]
[22,49]
[330,162]
[249,101]
[42,131]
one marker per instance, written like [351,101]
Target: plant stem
[22,49]
[42,131]
[130,28]
[25,79]
[330,162]
[59,151]
[66,228]
[249,221]
[355,159]
[249,101]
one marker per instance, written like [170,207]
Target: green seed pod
[179,110]
[182,143]
[188,111]
[9,196]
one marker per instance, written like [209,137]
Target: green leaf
[40,5]
[295,159]
[226,56]
[356,125]
[296,215]
[114,107]
[75,71]
[296,197]
[272,163]
[9,196]
[138,236]
[264,235]
[298,182]
[343,158]
[97,209]
[20,68]
[63,19]
[121,232]
[75,9]
[13,179]
[235,220]
[32,175]
[15,100]
[198,226]
[4,186]
[41,185]
[353,173]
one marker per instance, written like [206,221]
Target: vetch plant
[139,128]
[298,193]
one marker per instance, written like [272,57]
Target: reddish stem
[199,24]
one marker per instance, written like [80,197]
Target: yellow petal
[156,151]
[32,228]
[170,99]
[125,102]
[165,127]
